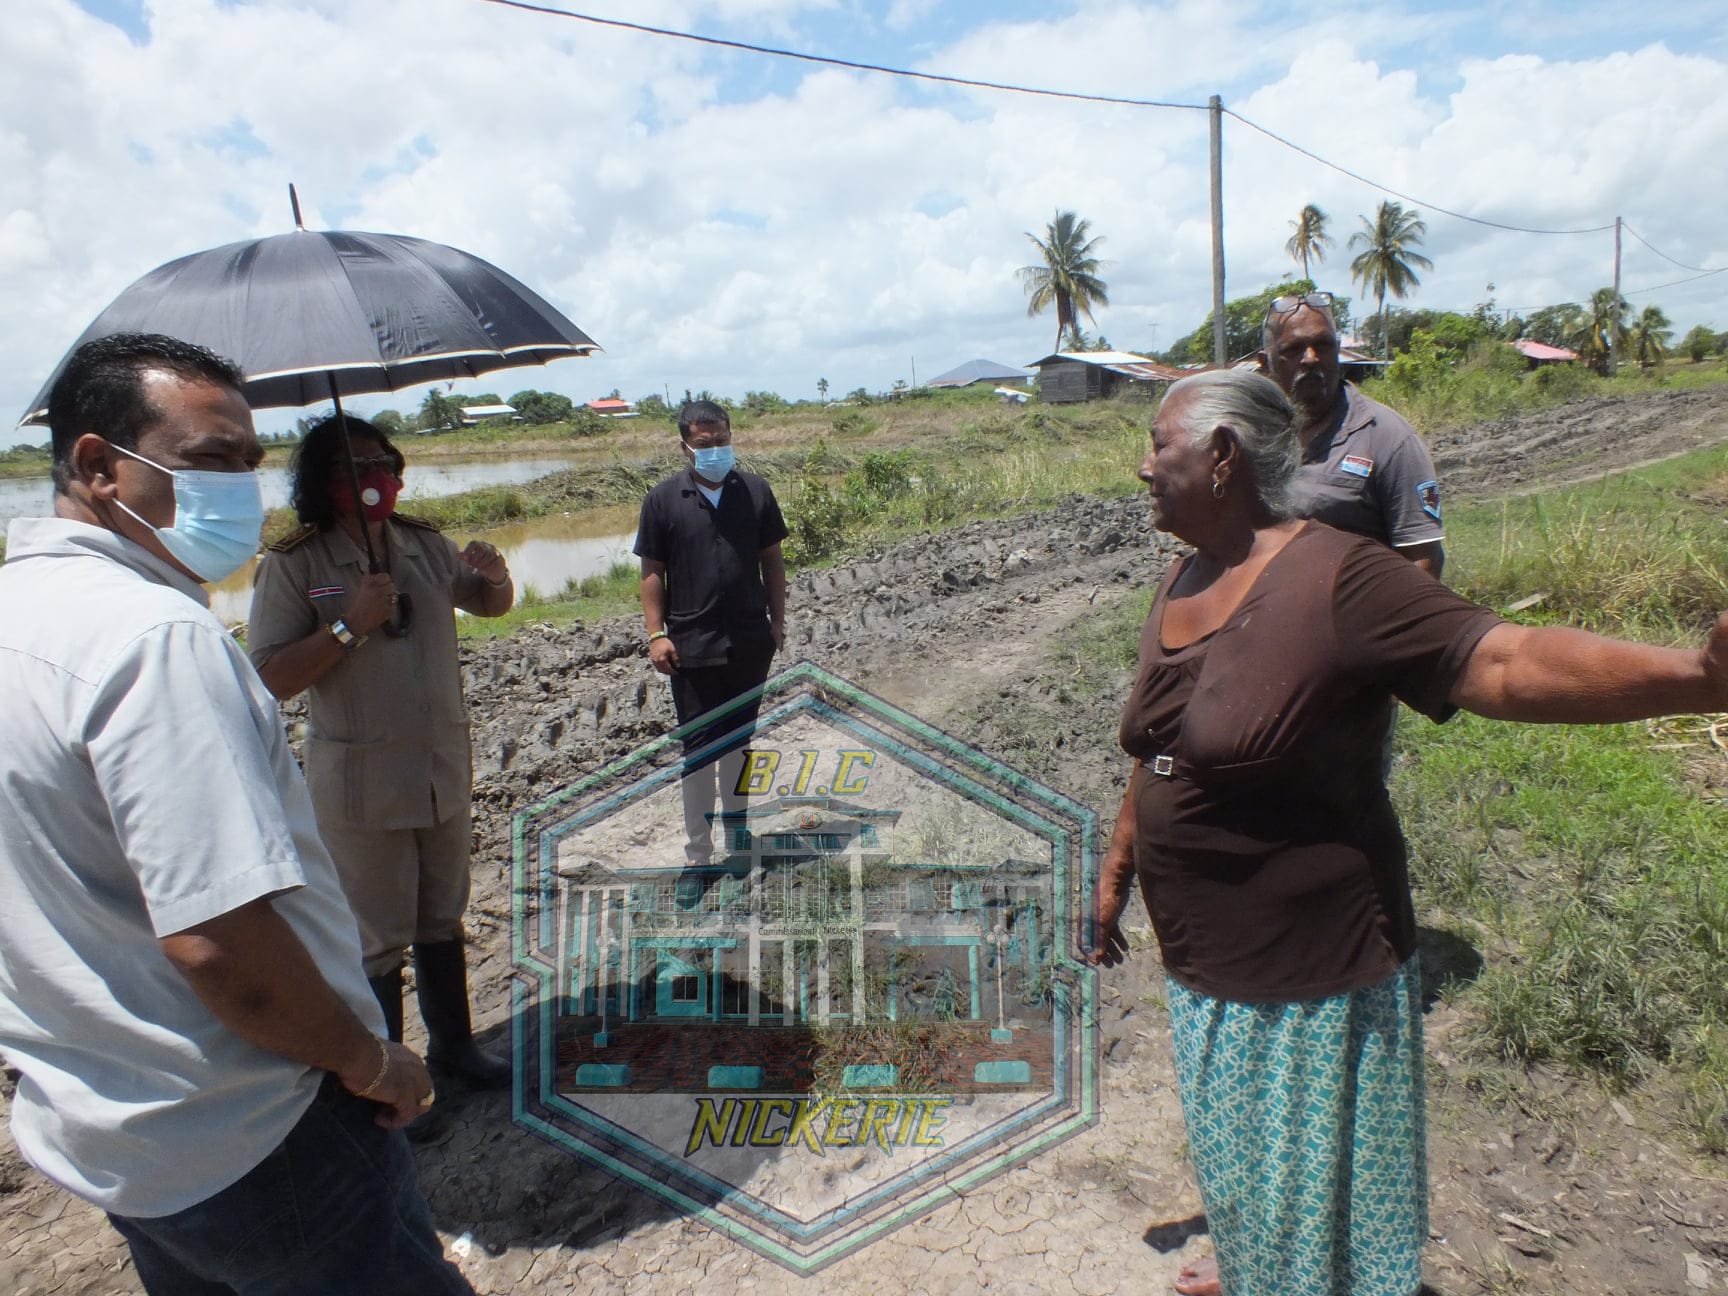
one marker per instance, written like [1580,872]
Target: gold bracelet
[383,1070]
[659,634]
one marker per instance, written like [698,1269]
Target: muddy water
[544,555]
[33,496]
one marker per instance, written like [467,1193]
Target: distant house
[1536,354]
[472,414]
[1070,376]
[978,371]
[612,408]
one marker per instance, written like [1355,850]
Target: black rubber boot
[441,976]
[387,989]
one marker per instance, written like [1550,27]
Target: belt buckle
[1165,765]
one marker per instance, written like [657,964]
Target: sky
[727,220]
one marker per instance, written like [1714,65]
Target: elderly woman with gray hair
[1267,850]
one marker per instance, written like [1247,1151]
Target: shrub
[816,523]
[1561,382]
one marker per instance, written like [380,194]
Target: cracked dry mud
[948,627]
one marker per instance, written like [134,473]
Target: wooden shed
[1072,376]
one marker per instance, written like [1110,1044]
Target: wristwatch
[346,637]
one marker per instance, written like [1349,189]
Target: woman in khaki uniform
[386,751]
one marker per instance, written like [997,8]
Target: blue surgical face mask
[714,462]
[218,518]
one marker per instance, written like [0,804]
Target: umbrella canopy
[319,313]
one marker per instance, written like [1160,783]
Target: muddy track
[958,628]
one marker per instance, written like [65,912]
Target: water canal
[545,554]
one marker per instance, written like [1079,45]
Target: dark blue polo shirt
[715,597]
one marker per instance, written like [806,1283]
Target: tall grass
[1587,862]
[1491,382]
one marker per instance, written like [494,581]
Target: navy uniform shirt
[714,591]
[1370,474]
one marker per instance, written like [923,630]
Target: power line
[1672,283]
[1120,101]
[1702,270]
[840,62]
[1431,206]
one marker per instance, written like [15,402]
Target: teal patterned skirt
[1305,1123]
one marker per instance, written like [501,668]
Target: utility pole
[1614,318]
[1215,111]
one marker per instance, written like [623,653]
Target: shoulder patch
[1429,493]
[408,519]
[293,540]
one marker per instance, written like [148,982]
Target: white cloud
[726,221]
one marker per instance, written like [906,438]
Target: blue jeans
[335,1210]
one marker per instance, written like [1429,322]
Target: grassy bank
[844,490]
[1586,863]
[1491,383]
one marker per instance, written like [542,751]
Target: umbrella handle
[372,564]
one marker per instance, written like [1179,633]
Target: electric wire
[1431,206]
[851,64]
[1120,101]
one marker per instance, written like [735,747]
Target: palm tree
[1068,278]
[1599,329]
[1650,336]
[1388,260]
[822,388]
[1310,238]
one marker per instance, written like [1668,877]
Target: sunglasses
[1313,300]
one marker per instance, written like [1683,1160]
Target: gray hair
[1258,415]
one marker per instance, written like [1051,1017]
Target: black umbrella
[322,314]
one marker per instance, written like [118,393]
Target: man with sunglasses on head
[180,980]
[357,608]
[1364,469]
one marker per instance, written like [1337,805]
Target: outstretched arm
[1555,675]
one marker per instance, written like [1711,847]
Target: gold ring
[429,1099]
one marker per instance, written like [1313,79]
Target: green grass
[1587,863]
[592,598]
[1492,383]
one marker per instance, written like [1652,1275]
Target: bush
[882,475]
[1561,382]
[851,422]
[815,522]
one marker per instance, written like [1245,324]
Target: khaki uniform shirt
[387,742]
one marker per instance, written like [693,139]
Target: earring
[1217,487]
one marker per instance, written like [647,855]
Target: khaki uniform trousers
[407,886]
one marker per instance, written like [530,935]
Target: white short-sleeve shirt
[146,786]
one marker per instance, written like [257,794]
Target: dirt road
[1563,1191]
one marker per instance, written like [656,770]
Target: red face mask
[378,491]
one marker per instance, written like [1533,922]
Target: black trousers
[699,691]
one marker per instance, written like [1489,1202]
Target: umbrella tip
[294,202]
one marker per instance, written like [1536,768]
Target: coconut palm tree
[1599,329]
[1068,278]
[1389,260]
[1309,238]
[1650,336]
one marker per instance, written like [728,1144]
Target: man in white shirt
[180,980]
